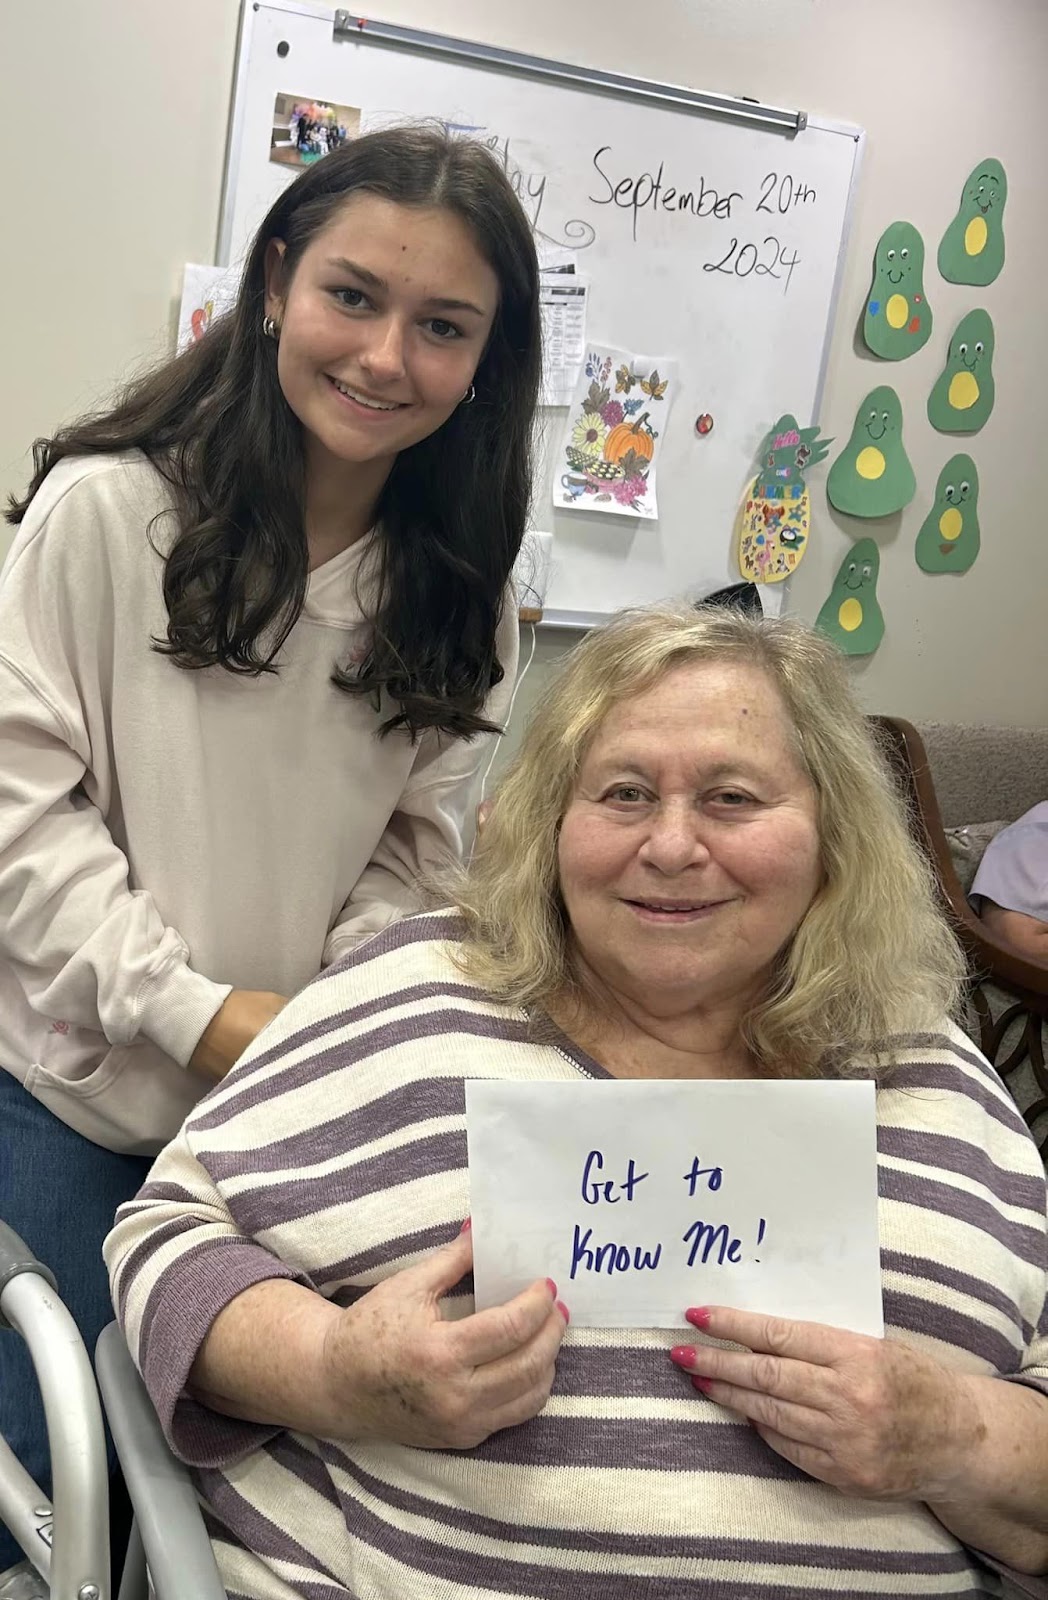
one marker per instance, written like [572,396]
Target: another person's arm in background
[1010,891]
[1027,936]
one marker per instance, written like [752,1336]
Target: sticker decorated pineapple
[774,523]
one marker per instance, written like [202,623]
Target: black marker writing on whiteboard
[646,192]
[530,189]
[791,192]
[742,260]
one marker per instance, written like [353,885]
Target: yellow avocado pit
[964,391]
[870,463]
[975,235]
[850,615]
[897,310]
[950,523]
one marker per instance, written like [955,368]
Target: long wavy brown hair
[214,422]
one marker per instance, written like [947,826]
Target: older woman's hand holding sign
[870,1416]
[881,1419]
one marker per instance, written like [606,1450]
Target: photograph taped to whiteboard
[306,130]
[609,455]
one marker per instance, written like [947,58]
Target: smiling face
[972,344]
[879,414]
[382,326]
[986,190]
[900,258]
[958,483]
[861,567]
[689,852]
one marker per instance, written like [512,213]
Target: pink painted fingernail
[552,1287]
[702,1384]
[466,1225]
[565,1313]
[698,1316]
[684,1355]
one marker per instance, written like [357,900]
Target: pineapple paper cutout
[775,520]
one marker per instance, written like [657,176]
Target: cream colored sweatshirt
[167,835]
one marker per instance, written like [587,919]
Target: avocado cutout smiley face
[949,536]
[851,616]
[872,476]
[898,318]
[972,248]
[963,395]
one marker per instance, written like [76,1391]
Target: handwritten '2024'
[706,1241]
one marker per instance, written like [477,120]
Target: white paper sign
[641,1199]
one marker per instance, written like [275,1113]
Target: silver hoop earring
[469,396]
[269,328]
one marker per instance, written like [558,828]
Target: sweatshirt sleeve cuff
[176,1005]
[183,1305]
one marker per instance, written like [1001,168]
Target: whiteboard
[738,285]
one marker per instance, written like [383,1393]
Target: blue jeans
[60,1192]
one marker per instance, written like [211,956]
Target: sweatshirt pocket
[81,1074]
[132,1102]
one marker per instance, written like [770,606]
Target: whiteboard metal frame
[347,25]
[737,108]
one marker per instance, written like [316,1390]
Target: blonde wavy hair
[874,957]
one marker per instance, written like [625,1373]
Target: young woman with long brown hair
[255,636]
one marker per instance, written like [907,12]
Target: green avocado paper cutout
[898,318]
[963,395]
[949,536]
[851,616]
[872,476]
[972,248]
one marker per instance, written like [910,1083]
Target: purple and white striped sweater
[335,1153]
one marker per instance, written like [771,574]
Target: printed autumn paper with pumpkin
[616,424]
[775,520]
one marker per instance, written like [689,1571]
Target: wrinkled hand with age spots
[872,1417]
[396,1369]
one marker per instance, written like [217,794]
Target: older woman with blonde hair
[696,867]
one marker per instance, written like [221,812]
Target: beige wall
[115,116]
[96,230]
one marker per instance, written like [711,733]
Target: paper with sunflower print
[616,424]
